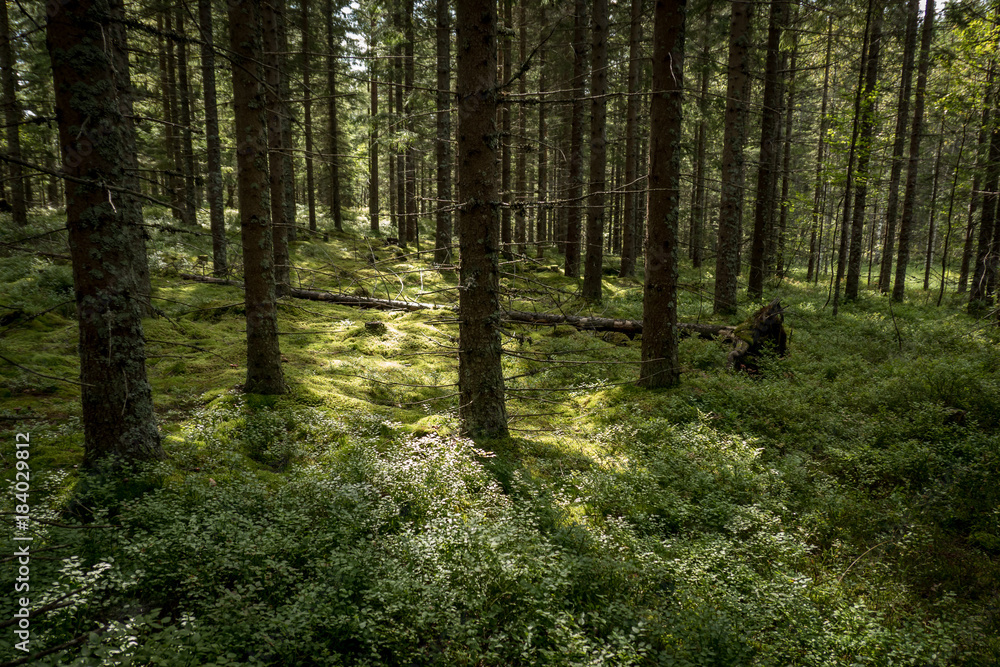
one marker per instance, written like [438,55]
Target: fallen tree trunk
[630,328]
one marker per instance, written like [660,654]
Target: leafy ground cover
[840,508]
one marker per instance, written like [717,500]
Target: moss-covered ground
[842,507]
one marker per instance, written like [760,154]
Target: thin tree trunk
[521,168]
[929,254]
[373,208]
[575,190]
[543,148]
[695,238]
[287,163]
[976,197]
[951,210]
[902,120]
[264,373]
[410,180]
[307,115]
[979,294]
[629,241]
[273,76]
[166,62]
[784,205]
[598,153]
[910,195]
[659,304]
[12,118]
[851,287]
[104,228]
[216,211]
[727,261]
[482,410]
[443,226]
[187,145]
[334,126]
[505,58]
[816,234]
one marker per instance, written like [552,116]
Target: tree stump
[763,332]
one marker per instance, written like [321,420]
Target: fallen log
[631,328]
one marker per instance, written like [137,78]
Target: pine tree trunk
[659,304]
[273,76]
[630,213]
[544,213]
[264,373]
[287,162]
[443,226]
[216,212]
[696,240]
[815,235]
[575,190]
[521,169]
[902,120]
[910,195]
[784,205]
[929,251]
[769,149]
[983,147]
[865,140]
[104,227]
[980,297]
[307,114]
[165,56]
[334,126]
[412,220]
[12,119]
[482,409]
[727,261]
[187,144]
[373,208]
[598,153]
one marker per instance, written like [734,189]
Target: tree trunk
[443,226]
[373,208]
[864,155]
[659,304]
[980,297]
[412,219]
[285,94]
[910,195]
[769,148]
[216,212]
[902,119]
[975,197]
[543,150]
[594,262]
[951,209]
[695,238]
[816,232]
[482,410]
[264,373]
[166,63]
[505,57]
[929,254]
[727,261]
[12,118]
[279,225]
[630,214]
[575,190]
[187,144]
[104,225]
[521,170]
[784,205]
[307,115]
[333,125]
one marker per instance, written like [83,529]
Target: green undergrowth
[839,507]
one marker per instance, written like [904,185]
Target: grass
[838,509]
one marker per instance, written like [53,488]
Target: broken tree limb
[627,327]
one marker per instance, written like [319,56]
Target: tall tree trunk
[287,162]
[12,118]
[167,89]
[482,410]
[598,153]
[334,126]
[902,119]
[727,261]
[273,75]
[865,140]
[412,220]
[264,373]
[443,226]
[216,212]
[521,170]
[307,115]
[187,144]
[769,149]
[979,295]
[695,249]
[910,195]
[505,58]
[104,225]
[575,190]
[543,149]
[630,214]
[975,197]
[815,235]
[784,204]
[951,209]
[373,208]
[659,303]
[929,254]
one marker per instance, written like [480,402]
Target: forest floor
[841,507]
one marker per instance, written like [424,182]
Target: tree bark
[412,220]
[975,197]
[264,373]
[275,148]
[575,190]
[521,167]
[482,410]
[695,237]
[544,213]
[287,163]
[307,114]
[443,225]
[373,208]
[929,251]
[727,261]
[505,58]
[659,304]
[187,144]
[980,297]
[216,212]
[769,147]
[630,213]
[910,195]
[103,229]
[902,120]
[815,236]
[594,262]
[12,118]
[333,125]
